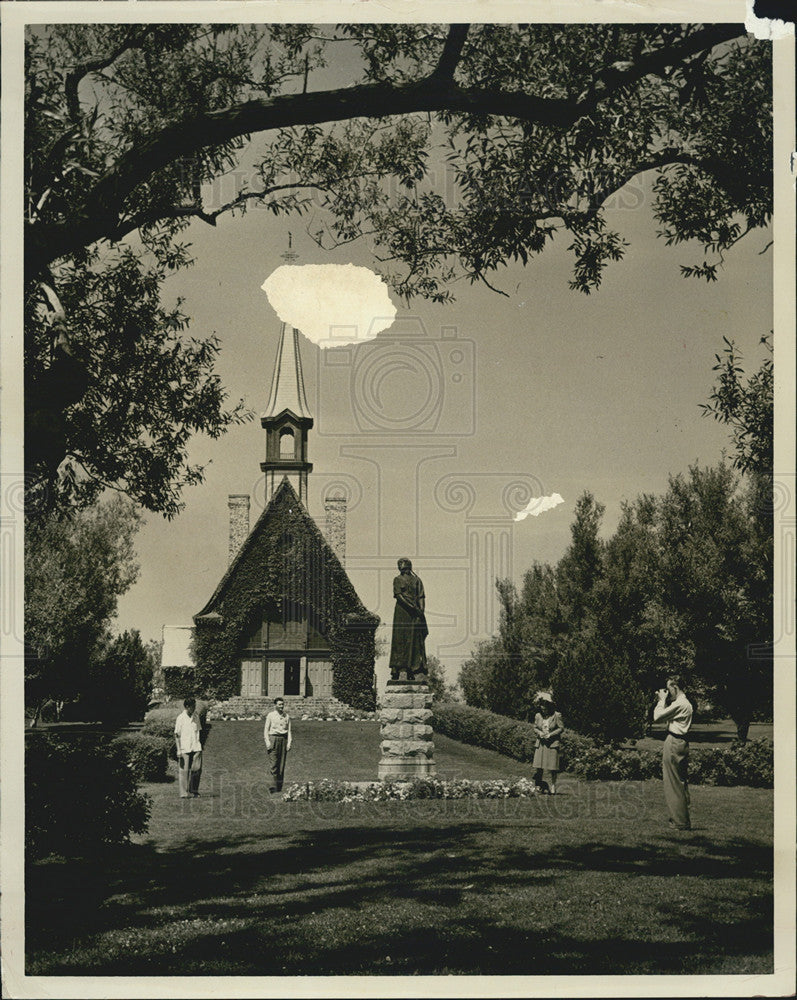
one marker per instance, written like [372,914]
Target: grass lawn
[240,882]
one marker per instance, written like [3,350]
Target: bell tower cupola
[286,420]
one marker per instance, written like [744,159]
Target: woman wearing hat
[549,728]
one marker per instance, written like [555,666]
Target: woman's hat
[543,696]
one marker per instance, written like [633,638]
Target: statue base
[407,747]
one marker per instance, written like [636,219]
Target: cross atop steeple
[290,255]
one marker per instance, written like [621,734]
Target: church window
[287,443]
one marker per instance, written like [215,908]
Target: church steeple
[286,420]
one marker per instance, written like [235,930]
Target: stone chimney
[335,510]
[239,521]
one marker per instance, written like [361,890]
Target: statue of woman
[407,650]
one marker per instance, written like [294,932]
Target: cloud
[332,304]
[537,505]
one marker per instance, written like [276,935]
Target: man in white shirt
[675,755]
[277,734]
[187,729]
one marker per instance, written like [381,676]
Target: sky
[456,416]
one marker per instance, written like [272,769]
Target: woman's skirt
[546,758]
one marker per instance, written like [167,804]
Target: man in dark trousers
[277,734]
[675,709]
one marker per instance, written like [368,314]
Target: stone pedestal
[407,748]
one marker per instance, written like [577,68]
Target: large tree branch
[132,40]
[98,216]
[452,51]
[197,211]
[622,75]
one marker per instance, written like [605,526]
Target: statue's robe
[407,649]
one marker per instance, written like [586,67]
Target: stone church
[285,618]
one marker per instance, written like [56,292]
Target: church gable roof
[284,516]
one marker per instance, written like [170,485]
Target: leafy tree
[75,571]
[537,126]
[596,690]
[436,679]
[747,407]
[684,584]
[540,622]
[120,416]
[476,675]
[119,683]
[651,637]
[715,575]
[582,566]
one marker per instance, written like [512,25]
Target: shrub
[79,795]
[751,763]
[613,763]
[147,754]
[518,740]
[739,764]
[338,713]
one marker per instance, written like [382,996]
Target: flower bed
[328,790]
[339,715]
[344,714]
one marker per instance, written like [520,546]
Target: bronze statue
[407,650]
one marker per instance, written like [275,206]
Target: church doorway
[292,675]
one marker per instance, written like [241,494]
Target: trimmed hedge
[147,754]
[79,795]
[750,763]
[513,738]
[611,763]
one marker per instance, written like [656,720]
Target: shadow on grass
[468,946]
[304,904]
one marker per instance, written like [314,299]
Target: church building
[285,618]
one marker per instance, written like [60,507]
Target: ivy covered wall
[286,565]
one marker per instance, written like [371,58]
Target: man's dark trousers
[277,755]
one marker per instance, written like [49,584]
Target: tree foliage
[683,585]
[120,675]
[476,675]
[532,127]
[746,406]
[75,571]
[436,679]
[115,401]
